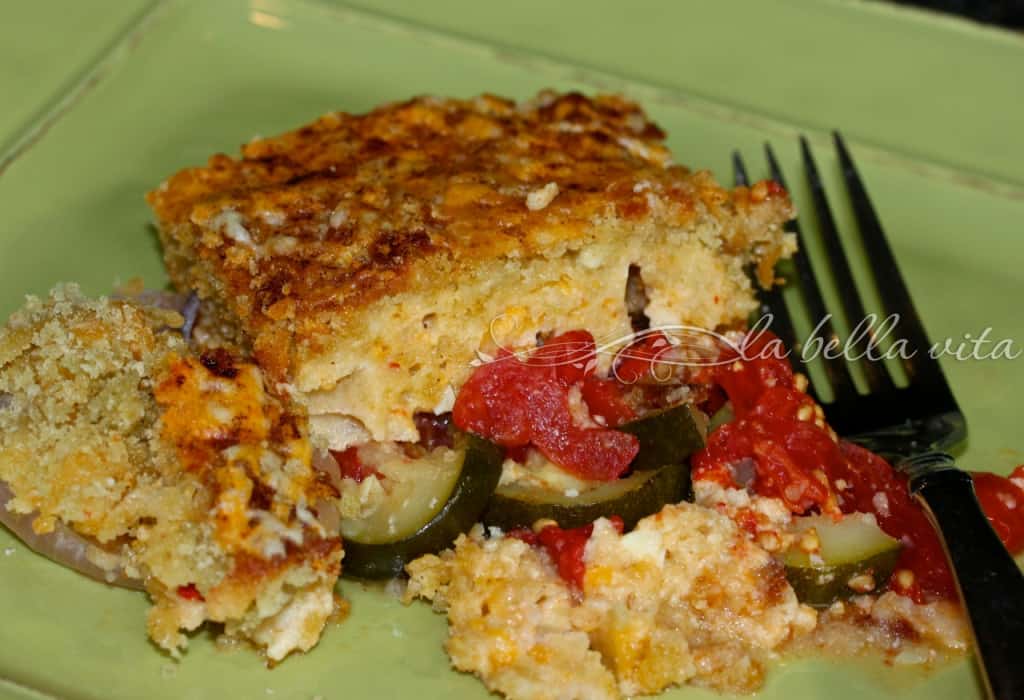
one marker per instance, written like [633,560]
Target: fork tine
[874,371]
[835,367]
[893,290]
[739,171]
[770,301]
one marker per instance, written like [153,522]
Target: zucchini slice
[666,437]
[848,549]
[430,502]
[631,498]
[722,416]
[660,475]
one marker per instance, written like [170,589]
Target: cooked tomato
[574,357]
[639,360]
[873,486]
[351,466]
[514,403]
[1003,501]
[190,592]
[604,398]
[798,460]
[565,547]
[790,455]
[760,365]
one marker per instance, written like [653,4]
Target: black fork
[915,425]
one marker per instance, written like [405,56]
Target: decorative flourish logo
[670,347]
[666,349]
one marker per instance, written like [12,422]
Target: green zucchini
[666,437]
[431,501]
[631,498]
[722,416]
[660,475]
[850,551]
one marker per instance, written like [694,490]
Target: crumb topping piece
[683,598]
[179,471]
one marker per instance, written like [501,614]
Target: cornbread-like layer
[367,257]
[415,351]
[182,472]
[888,625]
[683,598]
[892,626]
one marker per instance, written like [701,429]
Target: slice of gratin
[683,598]
[367,259]
[175,470]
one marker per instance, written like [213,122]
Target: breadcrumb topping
[683,598]
[402,241]
[178,471]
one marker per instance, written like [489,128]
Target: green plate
[931,107]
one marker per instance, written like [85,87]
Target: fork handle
[990,582]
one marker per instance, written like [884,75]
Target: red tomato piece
[573,355]
[873,486]
[495,401]
[565,547]
[1003,502]
[604,397]
[789,454]
[745,376]
[598,453]
[190,592]
[351,466]
[639,360]
[799,462]
[515,403]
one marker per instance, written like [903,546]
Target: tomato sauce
[638,362]
[1003,501]
[778,428]
[798,459]
[565,547]
[190,592]
[515,402]
[873,486]
[352,467]
[774,427]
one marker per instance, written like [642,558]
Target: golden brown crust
[308,227]
[182,470]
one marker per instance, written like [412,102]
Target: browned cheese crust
[302,241]
[180,470]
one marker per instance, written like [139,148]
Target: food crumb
[541,197]
[8,551]
[168,671]
[395,587]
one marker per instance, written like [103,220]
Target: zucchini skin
[654,489]
[668,436]
[481,470]
[853,546]
[822,586]
[661,471]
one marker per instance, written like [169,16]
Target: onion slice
[327,509]
[64,546]
[185,304]
[190,311]
[324,461]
